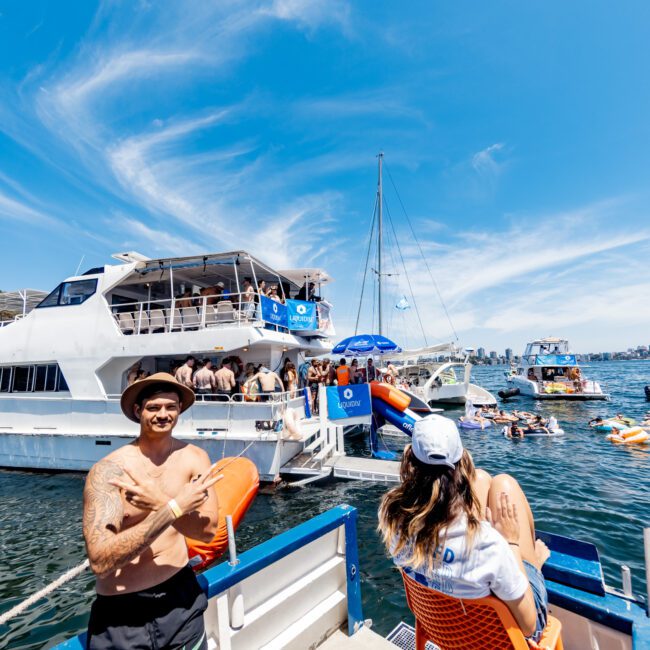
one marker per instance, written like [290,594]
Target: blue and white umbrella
[363,345]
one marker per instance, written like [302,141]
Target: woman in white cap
[457,530]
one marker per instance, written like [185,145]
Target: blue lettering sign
[555,360]
[302,315]
[273,312]
[348,401]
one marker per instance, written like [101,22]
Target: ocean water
[579,485]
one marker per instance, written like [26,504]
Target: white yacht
[549,370]
[64,364]
[442,382]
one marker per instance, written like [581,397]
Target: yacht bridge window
[70,293]
[32,378]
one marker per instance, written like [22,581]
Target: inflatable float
[473,424]
[631,436]
[609,425]
[536,433]
[236,491]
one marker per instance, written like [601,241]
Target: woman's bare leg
[505,483]
[481,487]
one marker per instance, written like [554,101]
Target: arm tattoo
[109,548]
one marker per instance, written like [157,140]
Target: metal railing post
[235,596]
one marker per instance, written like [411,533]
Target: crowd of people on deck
[232,378]
[213,295]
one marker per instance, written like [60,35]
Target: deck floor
[364,639]
[365,469]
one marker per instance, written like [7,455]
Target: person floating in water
[140,502]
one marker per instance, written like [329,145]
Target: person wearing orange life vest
[343,374]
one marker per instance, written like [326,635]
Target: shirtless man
[139,504]
[267,380]
[225,379]
[204,380]
[184,374]
[248,298]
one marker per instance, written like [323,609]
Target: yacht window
[21,379]
[41,378]
[70,293]
[5,379]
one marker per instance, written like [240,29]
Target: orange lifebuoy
[394,396]
[235,492]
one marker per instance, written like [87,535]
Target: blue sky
[516,134]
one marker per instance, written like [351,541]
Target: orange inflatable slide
[235,491]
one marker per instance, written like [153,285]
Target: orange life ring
[394,396]
[235,492]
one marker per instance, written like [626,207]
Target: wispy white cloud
[15,209]
[485,162]
[547,275]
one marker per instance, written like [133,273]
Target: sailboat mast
[379,243]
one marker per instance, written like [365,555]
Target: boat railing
[210,311]
[294,589]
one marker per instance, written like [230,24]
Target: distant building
[508,354]
[493,355]
[480,353]
[607,356]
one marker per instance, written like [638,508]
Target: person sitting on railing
[218,293]
[225,379]
[355,375]
[461,532]
[184,374]
[268,380]
[204,381]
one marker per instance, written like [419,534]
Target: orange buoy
[393,396]
[235,492]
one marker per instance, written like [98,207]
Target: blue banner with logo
[302,315]
[555,360]
[273,312]
[348,401]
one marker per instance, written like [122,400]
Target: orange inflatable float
[235,491]
[391,395]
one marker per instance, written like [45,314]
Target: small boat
[446,381]
[548,370]
[302,589]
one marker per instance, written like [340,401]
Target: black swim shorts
[167,616]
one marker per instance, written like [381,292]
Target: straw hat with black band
[163,382]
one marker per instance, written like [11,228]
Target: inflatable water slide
[394,406]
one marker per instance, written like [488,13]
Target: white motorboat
[441,382]
[302,589]
[64,364]
[549,370]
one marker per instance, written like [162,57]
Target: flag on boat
[402,304]
[363,345]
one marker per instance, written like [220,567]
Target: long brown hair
[414,515]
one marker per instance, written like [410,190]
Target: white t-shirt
[488,566]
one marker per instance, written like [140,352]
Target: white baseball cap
[436,441]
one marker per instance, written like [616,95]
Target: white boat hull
[527,388]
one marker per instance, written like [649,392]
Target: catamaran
[442,382]
[64,364]
[549,370]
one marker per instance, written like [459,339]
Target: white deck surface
[366,469]
[364,639]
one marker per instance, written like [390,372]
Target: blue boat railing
[224,576]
